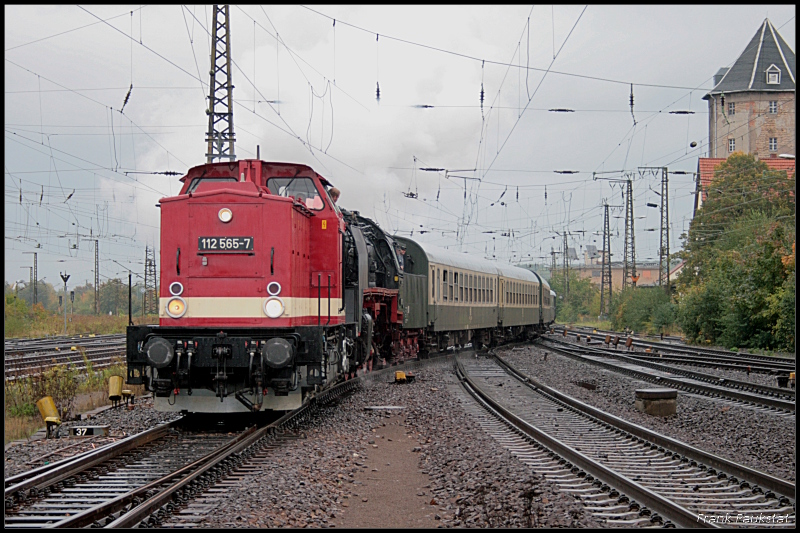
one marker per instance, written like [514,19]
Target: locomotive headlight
[176,307]
[176,288]
[225,214]
[274,307]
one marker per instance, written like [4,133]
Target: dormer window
[773,75]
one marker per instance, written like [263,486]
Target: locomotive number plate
[225,243]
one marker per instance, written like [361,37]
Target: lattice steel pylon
[663,267]
[663,252]
[35,279]
[150,303]
[566,268]
[629,276]
[96,277]
[605,278]
[220,134]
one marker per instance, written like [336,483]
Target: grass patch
[44,324]
[73,391]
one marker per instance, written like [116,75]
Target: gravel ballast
[443,470]
[455,474]
[748,435]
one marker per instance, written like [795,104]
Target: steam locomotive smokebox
[657,402]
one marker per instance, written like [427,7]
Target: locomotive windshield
[302,189]
[197,181]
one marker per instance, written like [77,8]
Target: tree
[737,287]
[583,298]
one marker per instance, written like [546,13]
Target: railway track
[33,360]
[140,480]
[692,355]
[685,380]
[625,474]
[49,344]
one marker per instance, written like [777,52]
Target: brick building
[751,108]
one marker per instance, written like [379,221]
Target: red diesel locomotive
[254,309]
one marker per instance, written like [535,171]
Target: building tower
[751,107]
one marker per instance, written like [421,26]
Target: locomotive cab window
[195,183]
[302,189]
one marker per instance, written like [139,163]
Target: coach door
[501,299]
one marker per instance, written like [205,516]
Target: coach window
[450,286]
[456,287]
[471,288]
[433,284]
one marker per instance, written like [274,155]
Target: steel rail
[291,419]
[784,405]
[688,349]
[722,382]
[45,476]
[672,511]
[88,516]
[764,480]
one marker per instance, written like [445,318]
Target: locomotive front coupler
[183,375]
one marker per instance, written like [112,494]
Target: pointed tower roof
[766,53]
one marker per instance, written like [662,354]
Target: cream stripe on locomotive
[251,307]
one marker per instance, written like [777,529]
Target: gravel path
[756,438]
[447,472]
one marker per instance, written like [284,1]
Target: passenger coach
[456,298]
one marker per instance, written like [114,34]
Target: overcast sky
[77,169]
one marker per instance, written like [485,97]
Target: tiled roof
[707,165]
[766,50]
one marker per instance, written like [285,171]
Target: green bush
[643,309]
[737,287]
